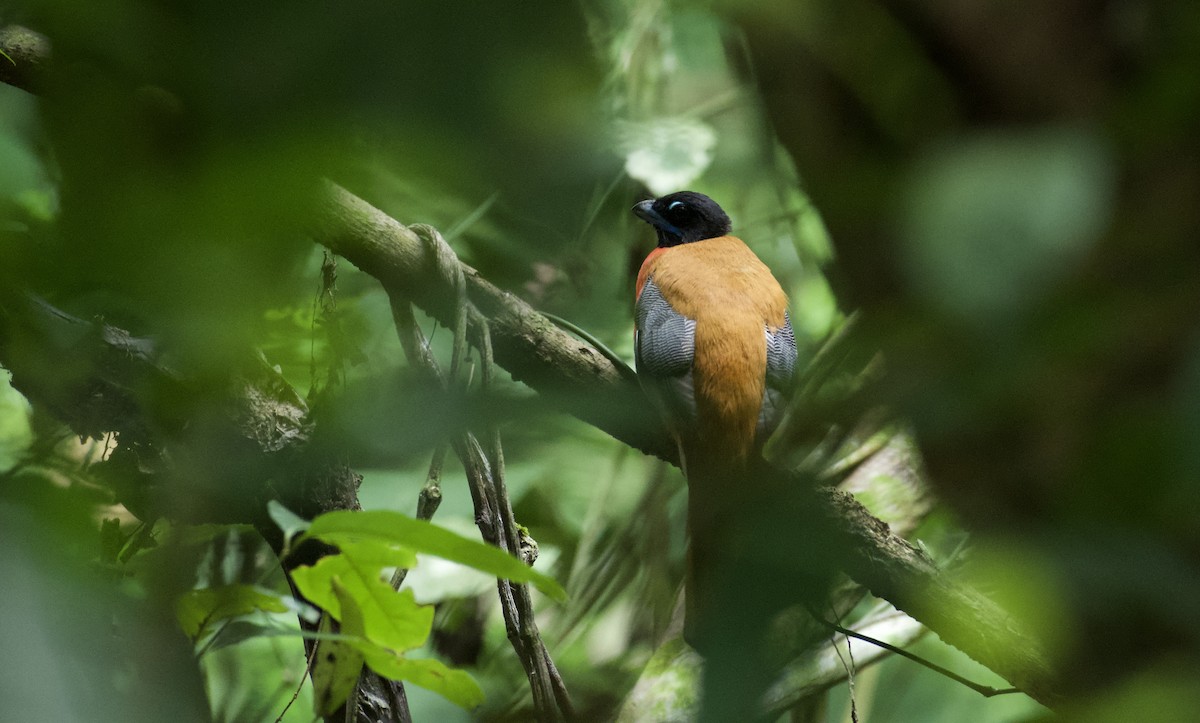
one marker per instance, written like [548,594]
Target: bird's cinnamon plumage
[731,295]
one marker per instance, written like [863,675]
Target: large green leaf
[389,618]
[343,527]
[377,624]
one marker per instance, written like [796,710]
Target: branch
[570,374]
[895,570]
[24,59]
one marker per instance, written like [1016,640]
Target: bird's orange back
[731,295]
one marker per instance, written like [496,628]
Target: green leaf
[288,521]
[457,686]
[199,609]
[337,664]
[343,526]
[391,619]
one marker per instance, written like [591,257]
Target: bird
[715,352]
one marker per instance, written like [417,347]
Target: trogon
[715,352]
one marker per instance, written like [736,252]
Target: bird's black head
[683,217]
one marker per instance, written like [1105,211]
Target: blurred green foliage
[1018,219]
[993,224]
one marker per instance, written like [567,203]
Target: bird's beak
[645,211]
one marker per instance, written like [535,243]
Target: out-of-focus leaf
[78,649]
[337,664]
[391,619]
[1027,586]
[23,170]
[341,527]
[456,686]
[1159,694]
[199,609]
[667,154]
[992,220]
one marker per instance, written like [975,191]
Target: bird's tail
[720,493]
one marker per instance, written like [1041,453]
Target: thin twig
[850,668]
[985,690]
[431,492]
[620,364]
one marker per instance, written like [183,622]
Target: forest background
[985,214]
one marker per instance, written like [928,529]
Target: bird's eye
[675,205]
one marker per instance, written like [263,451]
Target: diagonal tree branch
[571,374]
